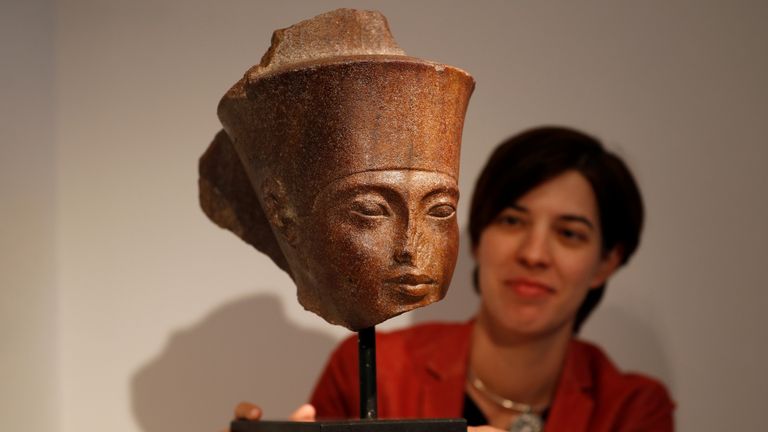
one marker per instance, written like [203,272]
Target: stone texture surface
[343,32]
[339,159]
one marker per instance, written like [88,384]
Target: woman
[552,217]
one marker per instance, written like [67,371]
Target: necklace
[527,421]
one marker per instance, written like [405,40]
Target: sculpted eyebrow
[447,190]
[367,188]
[384,191]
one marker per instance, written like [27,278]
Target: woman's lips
[527,288]
[413,285]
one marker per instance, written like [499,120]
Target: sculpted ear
[228,199]
[279,211]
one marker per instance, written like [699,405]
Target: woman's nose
[533,250]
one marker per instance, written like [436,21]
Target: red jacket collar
[446,366]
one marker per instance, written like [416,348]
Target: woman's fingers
[247,411]
[305,413]
[483,429]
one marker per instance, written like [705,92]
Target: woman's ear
[278,210]
[609,263]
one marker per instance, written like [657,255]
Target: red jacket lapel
[444,373]
[574,402]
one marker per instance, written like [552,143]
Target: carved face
[339,162]
[376,244]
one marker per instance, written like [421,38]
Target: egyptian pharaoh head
[339,159]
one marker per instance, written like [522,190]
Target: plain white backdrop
[123,308]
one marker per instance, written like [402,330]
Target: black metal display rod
[366,344]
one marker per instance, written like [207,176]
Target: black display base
[414,425]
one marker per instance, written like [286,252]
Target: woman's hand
[483,429]
[249,411]
[305,413]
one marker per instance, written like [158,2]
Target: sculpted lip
[529,288]
[414,285]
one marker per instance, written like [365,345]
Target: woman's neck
[520,368]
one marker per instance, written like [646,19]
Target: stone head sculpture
[339,159]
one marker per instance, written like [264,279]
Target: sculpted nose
[406,247]
[404,256]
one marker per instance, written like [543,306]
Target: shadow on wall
[630,340]
[248,350]
[244,350]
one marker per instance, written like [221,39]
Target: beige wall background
[124,309]
[28,288]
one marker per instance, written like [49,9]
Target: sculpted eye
[442,211]
[369,209]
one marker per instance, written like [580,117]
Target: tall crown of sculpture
[333,95]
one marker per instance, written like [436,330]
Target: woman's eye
[369,209]
[509,220]
[573,235]
[442,211]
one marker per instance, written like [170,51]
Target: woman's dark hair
[532,157]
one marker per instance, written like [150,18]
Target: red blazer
[421,373]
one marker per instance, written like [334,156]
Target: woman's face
[380,243]
[540,256]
